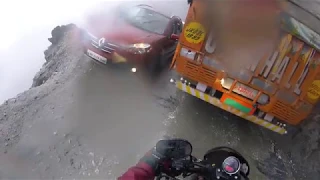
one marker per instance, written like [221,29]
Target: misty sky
[26,25]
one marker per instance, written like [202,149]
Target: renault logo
[101,42]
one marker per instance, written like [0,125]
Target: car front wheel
[154,65]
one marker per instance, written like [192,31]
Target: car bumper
[113,53]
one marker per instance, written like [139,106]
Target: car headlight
[141,45]
[263,99]
[139,48]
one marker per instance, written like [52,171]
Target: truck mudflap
[216,102]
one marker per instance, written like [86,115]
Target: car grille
[107,47]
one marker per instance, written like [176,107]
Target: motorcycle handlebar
[201,168]
[188,167]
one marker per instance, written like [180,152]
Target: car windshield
[146,19]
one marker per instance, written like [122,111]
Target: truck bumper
[216,102]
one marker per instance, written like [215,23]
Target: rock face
[53,64]
[56,70]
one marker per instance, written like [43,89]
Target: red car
[136,35]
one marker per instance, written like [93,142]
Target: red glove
[153,159]
[147,168]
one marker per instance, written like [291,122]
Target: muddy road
[84,120]
[88,120]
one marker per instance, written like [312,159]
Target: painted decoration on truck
[313,92]
[300,30]
[283,73]
[316,61]
[305,53]
[194,32]
[284,48]
[295,47]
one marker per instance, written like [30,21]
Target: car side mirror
[174,37]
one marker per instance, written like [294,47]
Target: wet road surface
[104,119]
[101,121]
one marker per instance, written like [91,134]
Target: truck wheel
[293,131]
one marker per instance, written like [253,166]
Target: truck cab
[276,89]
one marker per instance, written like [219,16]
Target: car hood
[120,32]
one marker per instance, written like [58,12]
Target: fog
[26,25]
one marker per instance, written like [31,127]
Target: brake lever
[200,165]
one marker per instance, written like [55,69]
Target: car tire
[154,65]
[163,62]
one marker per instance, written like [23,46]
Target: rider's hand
[153,159]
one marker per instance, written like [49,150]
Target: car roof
[149,7]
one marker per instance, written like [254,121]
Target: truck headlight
[187,53]
[139,48]
[226,82]
[263,99]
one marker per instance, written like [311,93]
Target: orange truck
[277,92]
